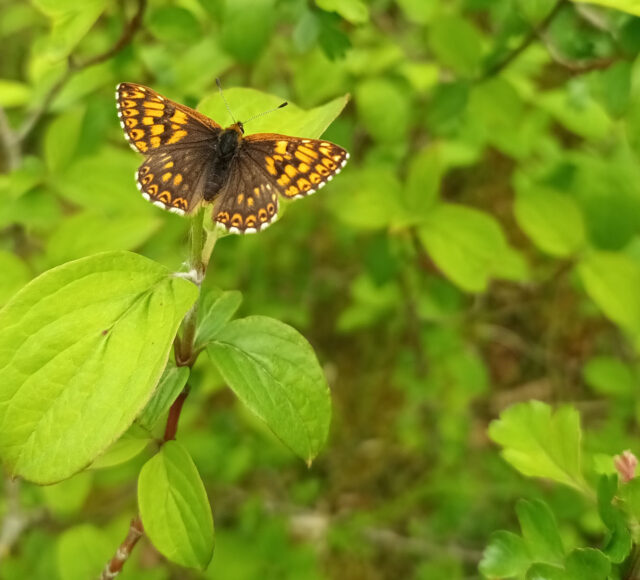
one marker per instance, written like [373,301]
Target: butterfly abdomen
[218,173]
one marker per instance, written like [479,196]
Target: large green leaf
[540,531]
[539,444]
[587,564]
[291,120]
[505,556]
[275,373]
[81,349]
[174,507]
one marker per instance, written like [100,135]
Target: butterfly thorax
[226,147]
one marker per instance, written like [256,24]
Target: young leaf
[587,564]
[540,531]
[275,373]
[130,444]
[505,556]
[539,444]
[170,386]
[355,11]
[174,507]
[546,572]
[291,120]
[81,349]
[216,309]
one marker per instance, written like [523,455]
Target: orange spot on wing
[179,117]
[177,180]
[168,165]
[290,170]
[157,129]
[177,136]
[307,151]
[281,147]
[142,146]
[166,177]
[153,105]
[155,142]
[136,134]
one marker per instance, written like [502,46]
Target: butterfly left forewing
[151,121]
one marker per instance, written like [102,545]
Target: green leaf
[15,274]
[552,220]
[505,556]
[384,110]
[76,236]
[247,27]
[630,494]
[14,93]
[540,531]
[174,507]
[131,443]
[170,386]
[168,23]
[630,6]
[355,11]
[546,572]
[609,376]
[68,496]
[291,120]
[587,119]
[423,183]
[539,444]
[81,349]
[587,564]
[217,307]
[367,198]
[611,279]
[61,139]
[457,44]
[275,373]
[92,544]
[465,243]
[70,23]
[614,84]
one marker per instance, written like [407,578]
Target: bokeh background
[480,249]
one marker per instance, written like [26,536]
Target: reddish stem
[174,415]
[114,566]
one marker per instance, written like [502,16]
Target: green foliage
[274,372]
[474,270]
[59,335]
[174,508]
[541,444]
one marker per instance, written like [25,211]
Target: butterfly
[191,160]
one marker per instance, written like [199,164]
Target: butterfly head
[238,127]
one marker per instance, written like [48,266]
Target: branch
[8,143]
[114,566]
[74,67]
[526,42]
[202,244]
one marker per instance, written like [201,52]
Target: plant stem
[202,243]
[114,566]
[526,42]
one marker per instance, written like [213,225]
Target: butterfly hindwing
[248,202]
[151,121]
[172,179]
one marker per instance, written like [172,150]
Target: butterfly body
[191,160]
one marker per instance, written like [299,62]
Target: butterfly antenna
[280,106]
[225,100]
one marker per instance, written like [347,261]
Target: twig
[526,42]
[15,520]
[114,566]
[8,143]
[174,415]
[184,349]
[75,67]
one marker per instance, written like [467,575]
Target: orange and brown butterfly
[190,160]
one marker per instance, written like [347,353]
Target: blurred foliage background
[480,249]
